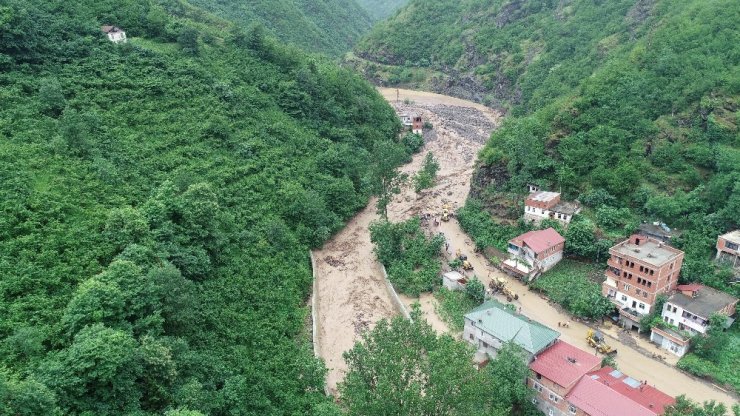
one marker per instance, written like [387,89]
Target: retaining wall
[394,296]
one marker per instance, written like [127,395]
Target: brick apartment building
[638,270]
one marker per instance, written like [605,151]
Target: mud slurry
[352,296]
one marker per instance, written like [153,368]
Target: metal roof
[493,318]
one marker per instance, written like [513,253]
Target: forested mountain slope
[381,9]
[328,26]
[631,106]
[157,202]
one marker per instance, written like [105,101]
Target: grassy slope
[381,9]
[328,26]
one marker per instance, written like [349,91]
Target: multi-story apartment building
[687,313]
[542,205]
[555,372]
[638,270]
[728,248]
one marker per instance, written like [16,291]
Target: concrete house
[541,205]
[638,270]
[689,309]
[555,372]
[728,248]
[609,392]
[413,122]
[115,34]
[534,253]
[491,325]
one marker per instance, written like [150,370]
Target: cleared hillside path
[351,297]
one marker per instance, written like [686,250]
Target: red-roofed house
[534,253]
[555,372]
[609,392]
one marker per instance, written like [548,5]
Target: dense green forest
[328,26]
[157,202]
[381,9]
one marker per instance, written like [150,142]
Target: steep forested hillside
[381,9]
[624,104]
[328,26]
[157,202]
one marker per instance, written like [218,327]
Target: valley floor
[351,294]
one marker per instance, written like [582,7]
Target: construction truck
[445,212]
[464,263]
[596,340]
[498,285]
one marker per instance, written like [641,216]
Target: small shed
[454,281]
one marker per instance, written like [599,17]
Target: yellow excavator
[498,284]
[596,340]
[464,262]
[445,212]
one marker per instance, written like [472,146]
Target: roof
[539,240]
[543,196]
[493,318]
[564,363]
[609,392]
[732,236]
[109,29]
[652,251]
[454,276]
[707,301]
[565,207]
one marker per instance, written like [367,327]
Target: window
[534,400]
[650,284]
[674,309]
[624,298]
[652,272]
[671,321]
[665,318]
[550,412]
[539,376]
[641,268]
[572,409]
[668,307]
[554,398]
[642,306]
[538,387]
[471,337]
[627,287]
[732,246]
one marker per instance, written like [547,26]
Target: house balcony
[631,314]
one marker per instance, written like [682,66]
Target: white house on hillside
[115,34]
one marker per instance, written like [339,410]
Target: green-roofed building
[491,325]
